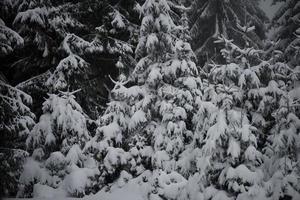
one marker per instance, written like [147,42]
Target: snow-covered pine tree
[112,30]
[184,33]
[280,104]
[119,27]
[286,37]
[100,46]
[110,25]
[62,122]
[16,118]
[282,148]
[227,157]
[167,85]
[211,18]
[43,24]
[56,143]
[115,29]
[9,39]
[150,118]
[109,144]
[16,121]
[73,73]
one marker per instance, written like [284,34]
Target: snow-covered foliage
[209,19]
[167,78]
[11,161]
[286,37]
[226,148]
[169,129]
[16,117]
[100,50]
[282,149]
[93,32]
[9,39]
[81,181]
[148,185]
[112,133]
[67,69]
[118,32]
[62,125]
[57,174]
[149,119]
[16,122]
[72,69]
[73,72]
[37,19]
[56,143]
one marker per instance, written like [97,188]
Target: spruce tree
[9,39]
[109,26]
[16,122]
[210,19]
[73,73]
[162,108]
[282,146]
[56,144]
[43,26]
[109,144]
[228,155]
[15,115]
[147,125]
[287,34]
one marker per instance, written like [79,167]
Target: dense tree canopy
[149,99]
[211,18]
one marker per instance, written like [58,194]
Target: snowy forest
[150,99]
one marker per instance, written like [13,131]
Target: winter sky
[268,8]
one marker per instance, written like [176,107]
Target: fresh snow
[171,130]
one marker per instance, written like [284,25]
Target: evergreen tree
[168,84]
[16,123]
[43,26]
[56,143]
[210,19]
[227,151]
[167,80]
[107,145]
[15,115]
[150,120]
[10,39]
[282,147]
[108,26]
[287,32]
[231,134]
[73,73]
